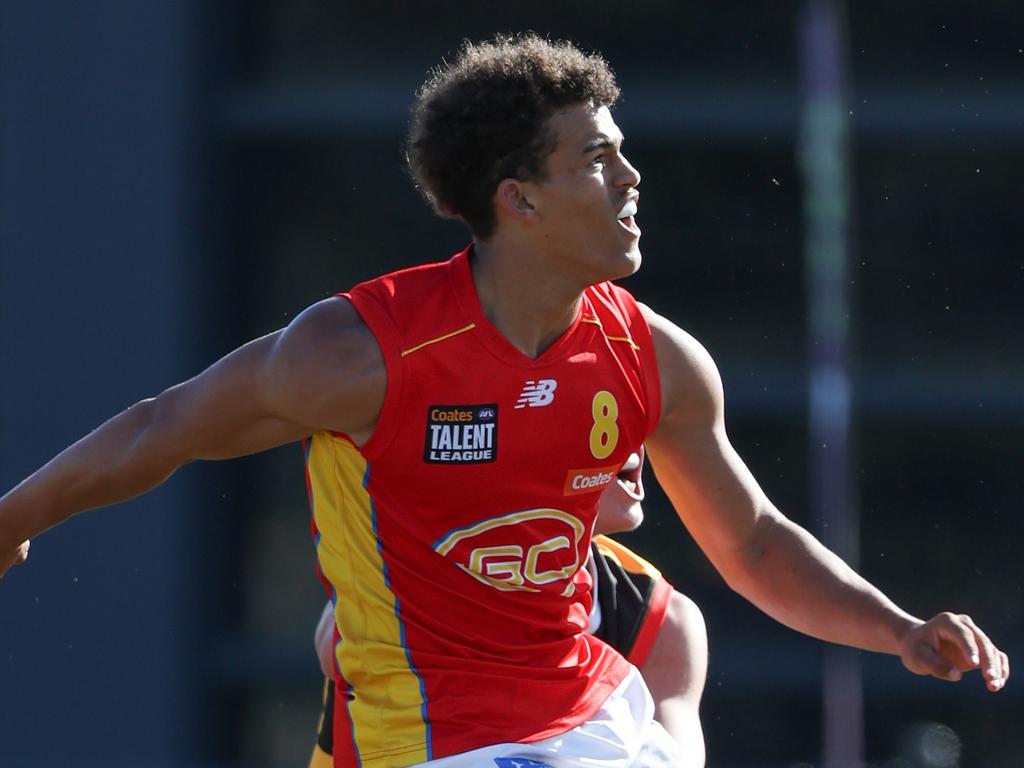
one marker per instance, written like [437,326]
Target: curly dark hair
[484,118]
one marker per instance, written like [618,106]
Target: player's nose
[629,176]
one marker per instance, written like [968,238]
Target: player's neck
[529,303]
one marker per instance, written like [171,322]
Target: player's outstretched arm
[766,557]
[324,371]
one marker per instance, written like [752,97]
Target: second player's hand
[323,640]
[950,644]
[10,559]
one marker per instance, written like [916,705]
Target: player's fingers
[990,660]
[20,555]
[997,681]
[953,629]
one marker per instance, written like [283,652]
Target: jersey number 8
[604,435]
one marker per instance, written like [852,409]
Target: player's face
[620,507]
[587,204]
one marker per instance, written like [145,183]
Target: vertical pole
[824,158]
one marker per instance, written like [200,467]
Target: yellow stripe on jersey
[624,339]
[428,342]
[388,705]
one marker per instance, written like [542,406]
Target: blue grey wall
[96,300]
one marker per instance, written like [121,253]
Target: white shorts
[621,734]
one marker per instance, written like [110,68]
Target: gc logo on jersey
[529,551]
[461,434]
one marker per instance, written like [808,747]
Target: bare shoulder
[690,383]
[322,372]
[678,661]
[330,331]
[328,364]
[684,620]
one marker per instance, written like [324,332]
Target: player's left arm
[675,671]
[766,557]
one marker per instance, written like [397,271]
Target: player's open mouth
[626,217]
[630,476]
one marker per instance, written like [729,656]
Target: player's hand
[950,644]
[18,556]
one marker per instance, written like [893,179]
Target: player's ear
[512,200]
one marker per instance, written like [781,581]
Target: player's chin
[627,263]
[635,516]
[635,257]
[619,517]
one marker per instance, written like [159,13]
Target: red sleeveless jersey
[453,542]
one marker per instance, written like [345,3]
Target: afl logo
[534,550]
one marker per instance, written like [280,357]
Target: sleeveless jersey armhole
[640,331]
[649,370]
[386,334]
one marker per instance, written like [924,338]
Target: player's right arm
[765,556]
[323,372]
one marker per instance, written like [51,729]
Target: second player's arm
[675,672]
[766,557]
[324,371]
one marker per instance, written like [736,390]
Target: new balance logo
[537,393]
[518,762]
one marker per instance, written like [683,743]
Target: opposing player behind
[634,609]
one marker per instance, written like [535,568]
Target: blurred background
[829,202]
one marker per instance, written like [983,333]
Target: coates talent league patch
[461,434]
